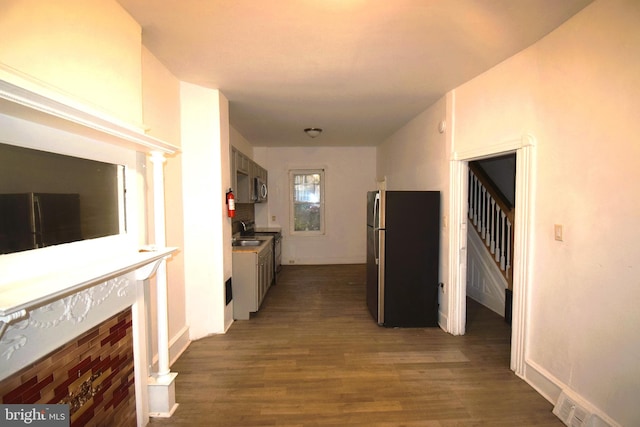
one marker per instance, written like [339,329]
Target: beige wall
[240,142]
[349,174]
[207,235]
[88,50]
[576,93]
[412,158]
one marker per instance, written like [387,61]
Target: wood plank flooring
[313,356]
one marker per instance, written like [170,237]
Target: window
[307,201]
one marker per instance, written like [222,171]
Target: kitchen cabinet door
[245,284]
[242,163]
[252,278]
[243,172]
[266,272]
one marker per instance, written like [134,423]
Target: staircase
[490,247]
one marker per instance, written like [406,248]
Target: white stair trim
[485,282]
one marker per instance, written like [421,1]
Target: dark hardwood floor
[313,356]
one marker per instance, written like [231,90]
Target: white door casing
[524,148]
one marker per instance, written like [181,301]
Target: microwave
[260,190]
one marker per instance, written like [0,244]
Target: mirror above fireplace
[48,199]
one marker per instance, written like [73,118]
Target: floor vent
[574,414]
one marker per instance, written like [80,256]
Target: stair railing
[492,217]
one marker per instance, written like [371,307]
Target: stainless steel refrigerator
[403,252]
[35,220]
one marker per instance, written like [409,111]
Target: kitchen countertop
[266,240]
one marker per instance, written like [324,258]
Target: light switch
[557,232]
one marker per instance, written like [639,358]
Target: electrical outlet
[557,232]
[291,261]
[273,218]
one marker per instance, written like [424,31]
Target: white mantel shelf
[27,98]
[32,292]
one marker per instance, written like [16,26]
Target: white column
[157,159]
[161,384]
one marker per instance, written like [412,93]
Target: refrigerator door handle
[38,239]
[376,212]
[376,237]
[381,279]
[376,227]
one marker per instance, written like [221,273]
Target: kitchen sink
[247,243]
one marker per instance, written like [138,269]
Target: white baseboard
[550,388]
[542,381]
[324,261]
[443,321]
[228,316]
[178,344]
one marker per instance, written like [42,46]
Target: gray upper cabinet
[243,163]
[243,172]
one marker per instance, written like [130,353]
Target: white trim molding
[485,282]
[456,302]
[525,179]
[551,388]
[71,302]
[161,390]
[522,251]
[27,98]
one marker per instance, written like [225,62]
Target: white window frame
[306,171]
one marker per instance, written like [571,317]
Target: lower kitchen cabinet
[252,277]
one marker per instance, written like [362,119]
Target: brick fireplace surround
[93,374]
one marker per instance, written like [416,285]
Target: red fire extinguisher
[231,204]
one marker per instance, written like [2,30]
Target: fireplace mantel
[50,295]
[17,298]
[27,98]
[39,314]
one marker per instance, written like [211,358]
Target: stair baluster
[492,217]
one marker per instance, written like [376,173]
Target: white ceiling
[359,69]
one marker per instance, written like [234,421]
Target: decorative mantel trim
[25,97]
[61,318]
[37,323]
[31,293]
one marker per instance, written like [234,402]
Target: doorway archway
[525,170]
